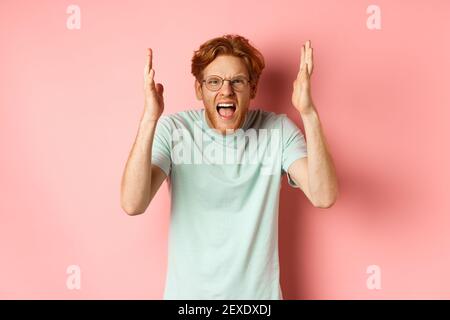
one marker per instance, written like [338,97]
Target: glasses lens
[213,83]
[239,83]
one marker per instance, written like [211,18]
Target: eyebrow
[236,75]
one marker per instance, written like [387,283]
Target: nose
[227,88]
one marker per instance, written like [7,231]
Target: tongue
[226,112]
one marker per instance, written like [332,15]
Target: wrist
[309,113]
[147,120]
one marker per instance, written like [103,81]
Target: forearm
[136,179]
[322,180]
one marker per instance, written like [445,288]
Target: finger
[149,82]
[302,58]
[151,77]
[305,70]
[308,44]
[305,76]
[309,55]
[148,74]
[159,88]
[148,61]
[309,59]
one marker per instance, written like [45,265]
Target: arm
[141,179]
[316,174]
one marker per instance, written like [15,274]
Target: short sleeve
[162,145]
[294,146]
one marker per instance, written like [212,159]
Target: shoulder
[181,119]
[259,118]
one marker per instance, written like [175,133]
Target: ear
[198,90]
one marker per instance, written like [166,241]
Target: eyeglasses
[214,83]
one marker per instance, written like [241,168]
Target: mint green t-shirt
[223,237]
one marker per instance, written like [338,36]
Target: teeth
[225,105]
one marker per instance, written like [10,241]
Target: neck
[223,131]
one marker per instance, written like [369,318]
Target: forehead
[226,66]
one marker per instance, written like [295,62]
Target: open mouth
[226,110]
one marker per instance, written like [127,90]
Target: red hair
[229,44]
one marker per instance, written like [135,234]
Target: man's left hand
[301,95]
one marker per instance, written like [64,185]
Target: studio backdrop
[71,98]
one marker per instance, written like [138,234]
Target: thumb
[159,88]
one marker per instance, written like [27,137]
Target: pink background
[71,101]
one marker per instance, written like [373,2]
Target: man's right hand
[154,100]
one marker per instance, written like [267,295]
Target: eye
[213,81]
[238,81]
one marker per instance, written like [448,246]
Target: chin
[232,122]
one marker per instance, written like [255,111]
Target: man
[224,165]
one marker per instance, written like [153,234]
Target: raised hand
[154,100]
[301,95]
